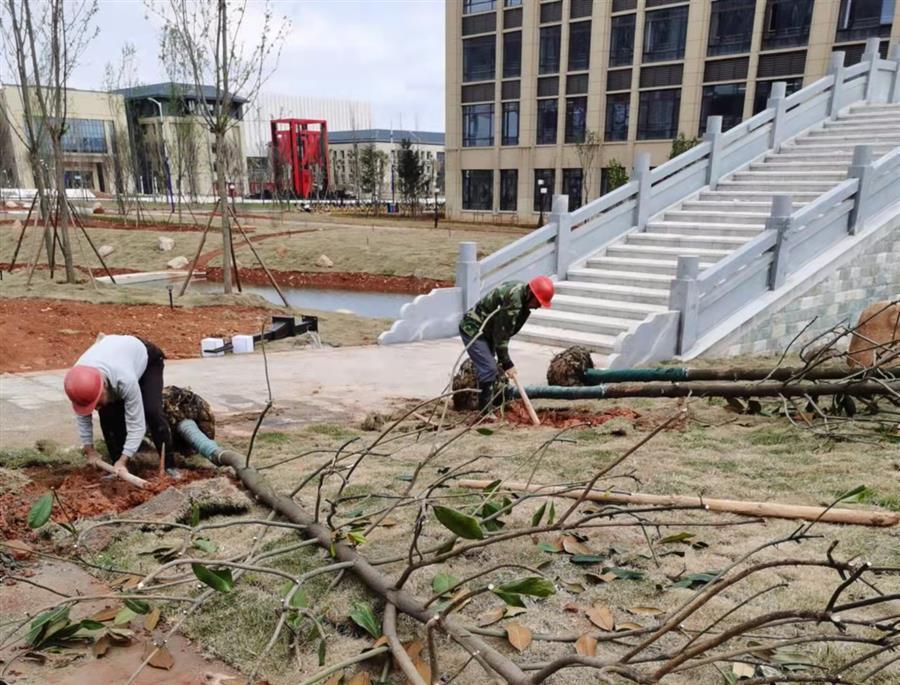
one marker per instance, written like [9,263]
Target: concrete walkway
[331,384]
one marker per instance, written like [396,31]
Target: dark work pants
[482,356]
[112,415]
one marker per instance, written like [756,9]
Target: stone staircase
[615,289]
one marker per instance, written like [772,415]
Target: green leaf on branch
[510,598]
[491,508]
[538,515]
[124,616]
[461,524]
[585,558]
[551,516]
[858,495]
[195,514]
[206,545]
[697,580]
[547,547]
[677,537]
[220,581]
[363,616]
[299,600]
[484,431]
[443,582]
[39,513]
[88,624]
[533,586]
[138,606]
[624,573]
[322,652]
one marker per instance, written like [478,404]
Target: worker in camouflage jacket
[487,327]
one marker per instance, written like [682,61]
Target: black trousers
[112,415]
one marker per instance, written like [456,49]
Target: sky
[387,52]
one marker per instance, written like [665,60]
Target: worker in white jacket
[121,376]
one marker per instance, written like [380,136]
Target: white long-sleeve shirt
[122,359]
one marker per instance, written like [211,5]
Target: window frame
[613,60]
[609,133]
[478,6]
[542,110]
[729,121]
[505,204]
[469,114]
[649,105]
[545,38]
[585,57]
[508,108]
[507,73]
[666,17]
[467,189]
[549,177]
[481,74]
[726,42]
[570,135]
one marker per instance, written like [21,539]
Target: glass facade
[85,135]
[664,34]
[479,58]
[473,6]
[764,89]
[548,58]
[621,40]
[730,27]
[510,133]
[546,121]
[512,54]
[478,125]
[572,181]
[509,189]
[547,178]
[576,119]
[725,100]
[617,107]
[786,23]
[478,189]
[579,46]
[658,114]
[860,19]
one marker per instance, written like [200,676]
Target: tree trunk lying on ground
[760,509]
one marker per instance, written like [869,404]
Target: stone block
[105,250]
[177,262]
[165,244]
[324,262]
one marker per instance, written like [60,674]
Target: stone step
[704,228]
[760,196]
[776,163]
[788,176]
[856,137]
[586,303]
[728,206]
[618,293]
[630,278]
[876,107]
[576,321]
[783,187]
[665,267]
[712,242]
[821,145]
[561,337]
[656,252]
[716,216]
[863,125]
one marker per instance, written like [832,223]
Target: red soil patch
[38,334]
[337,280]
[517,415]
[84,493]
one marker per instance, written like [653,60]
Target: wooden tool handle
[128,478]
[531,412]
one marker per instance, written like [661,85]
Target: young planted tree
[682,144]
[372,163]
[615,175]
[411,175]
[213,41]
[588,148]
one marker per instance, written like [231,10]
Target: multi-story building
[344,145]
[172,144]
[528,80]
[95,124]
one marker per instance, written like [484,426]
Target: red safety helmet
[84,386]
[542,289]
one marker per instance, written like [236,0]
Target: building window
[478,189]
[764,89]
[478,125]
[617,107]
[84,135]
[509,190]
[572,180]
[479,56]
[725,100]
[579,46]
[473,6]
[546,123]
[512,3]
[786,23]
[548,60]
[547,178]
[621,41]
[859,19]
[664,34]
[576,118]
[658,114]
[512,54]
[510,135]
[730,27]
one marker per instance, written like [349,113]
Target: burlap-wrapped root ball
[180,404]
[568,367]
[465,380]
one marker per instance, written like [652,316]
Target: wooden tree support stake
[744,508]
[128,477]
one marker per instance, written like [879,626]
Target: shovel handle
[528,406]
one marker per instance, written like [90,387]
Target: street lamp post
[543,192]
[162,152]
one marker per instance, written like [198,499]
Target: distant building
[343,145]
[172,142]
[95,122]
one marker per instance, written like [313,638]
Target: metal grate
[666,75]
[481,92]
[479,23]
[509,90]
[512,18]
[781,64]
[618,80]
[726,69]
[551,11]
[548,86]
[622,5]
[577,84]
[581,8]
[657,3]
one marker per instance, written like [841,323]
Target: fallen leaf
[361,678]
[20,550]
[607,577]
[646,611]
[414,648]
[380,641]
[571,606]
[161,659]
[217,678]
[100,647]
[334,680]
[513,611]
[389,521]
[489,617]
[106,614]
[586,645]
[572,546]
[518,635]
[743,670]
[151,619]
[121,582]
[630,626]
[601,617]
[423,668]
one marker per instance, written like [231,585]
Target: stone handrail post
[777,101]
[713,136]
[559,215]
[894,95]
[871,56]
[641,174]
[468,274]
[684,298]
[861,169]
[780,221]
[836,68]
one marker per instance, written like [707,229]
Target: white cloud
[388,52]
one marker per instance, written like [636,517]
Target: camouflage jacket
[502,313]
